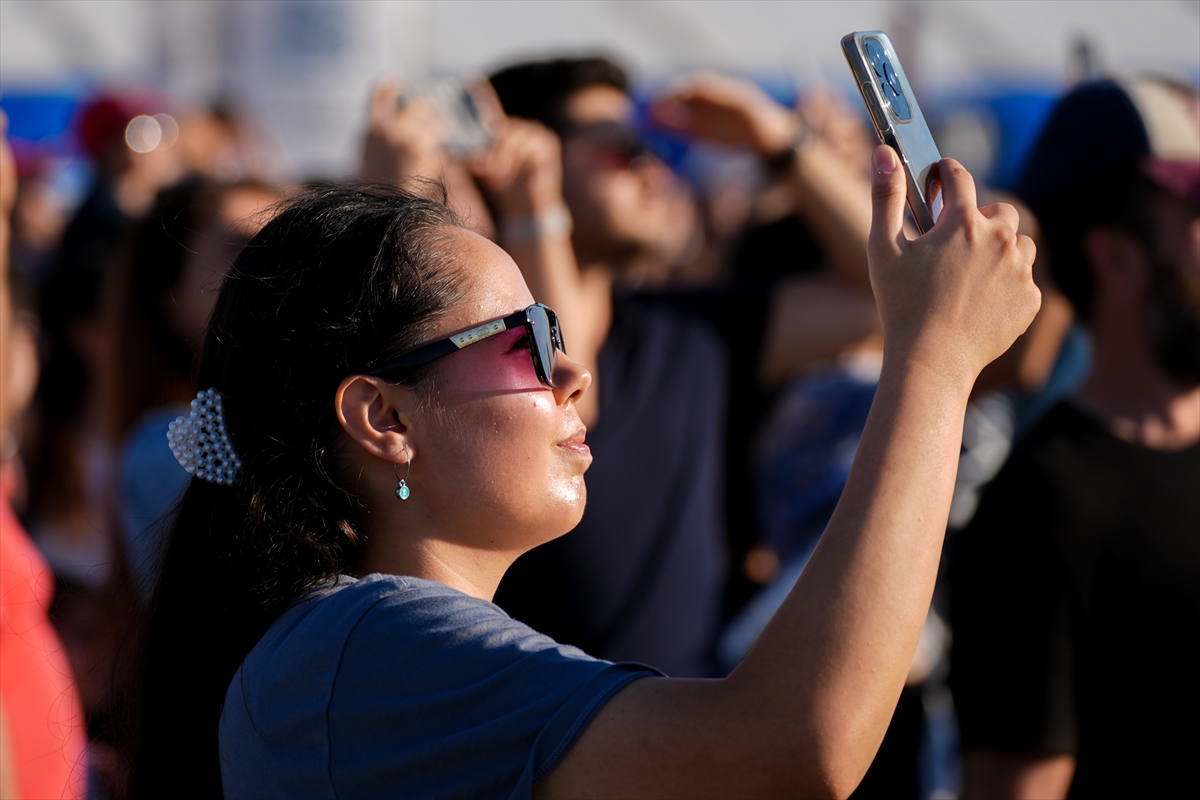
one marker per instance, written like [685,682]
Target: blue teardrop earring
[402,490]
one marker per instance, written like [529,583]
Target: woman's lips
[575,443]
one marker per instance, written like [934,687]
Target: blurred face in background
[241,214]
[619,195]
[1173,296]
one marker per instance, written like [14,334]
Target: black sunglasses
[618,139]
[540,322]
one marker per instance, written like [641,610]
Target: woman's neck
[469,570]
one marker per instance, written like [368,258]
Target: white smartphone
[897,119]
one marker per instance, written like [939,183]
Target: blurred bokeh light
[303,68]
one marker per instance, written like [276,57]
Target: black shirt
[1076,608]
[643,575]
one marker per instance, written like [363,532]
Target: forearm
[522,174]
[813,319]
[806,710]
[832,663]
[1007,775]
[835,200]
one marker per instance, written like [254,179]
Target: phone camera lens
[889,81]
[876,56]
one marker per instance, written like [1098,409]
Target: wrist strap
[779,163]
[547,223]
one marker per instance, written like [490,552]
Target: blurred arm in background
[1005,775]
[820,155]
[811,318]
[403,147]
[1028,363]
[521,173]
[41,727]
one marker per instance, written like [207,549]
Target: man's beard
[1174,323]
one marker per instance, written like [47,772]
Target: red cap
[104,119]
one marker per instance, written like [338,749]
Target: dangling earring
[402,490]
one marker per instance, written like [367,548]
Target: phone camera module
[876,56]
[888,80]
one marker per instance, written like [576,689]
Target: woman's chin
[570,495]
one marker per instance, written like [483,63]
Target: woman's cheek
[507,370]
[515,371]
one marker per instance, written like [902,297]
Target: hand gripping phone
[466,134]
[897,119]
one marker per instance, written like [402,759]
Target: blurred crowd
[724,307]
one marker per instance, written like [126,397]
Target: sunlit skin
[497,458]
[1126,387]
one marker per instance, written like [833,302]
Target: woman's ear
[377,415]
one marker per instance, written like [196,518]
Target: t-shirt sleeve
[474,705]
[1011,672]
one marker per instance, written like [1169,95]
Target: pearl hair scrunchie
[200,441]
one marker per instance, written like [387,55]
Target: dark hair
[341,278]
[538,90]
[1118,197]
[156,362]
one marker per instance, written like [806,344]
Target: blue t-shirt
[151,483]
[394,686]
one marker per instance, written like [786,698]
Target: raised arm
[814,317]
[403,147]
[827,187]
[403,140]
[804,713]
[522,175]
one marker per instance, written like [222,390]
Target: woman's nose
[571,379]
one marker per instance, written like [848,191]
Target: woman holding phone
[391,422]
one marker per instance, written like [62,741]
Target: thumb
[888,193]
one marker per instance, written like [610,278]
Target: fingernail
[885,160]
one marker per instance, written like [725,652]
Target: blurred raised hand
[522,175]
[834,121]
[404,139]
[811,157]
[404,146]
[522,171]
[730,111]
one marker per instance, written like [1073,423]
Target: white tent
[305,65]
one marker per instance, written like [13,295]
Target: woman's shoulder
[437,634]
[383,613]
[351,642]
[391,682]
